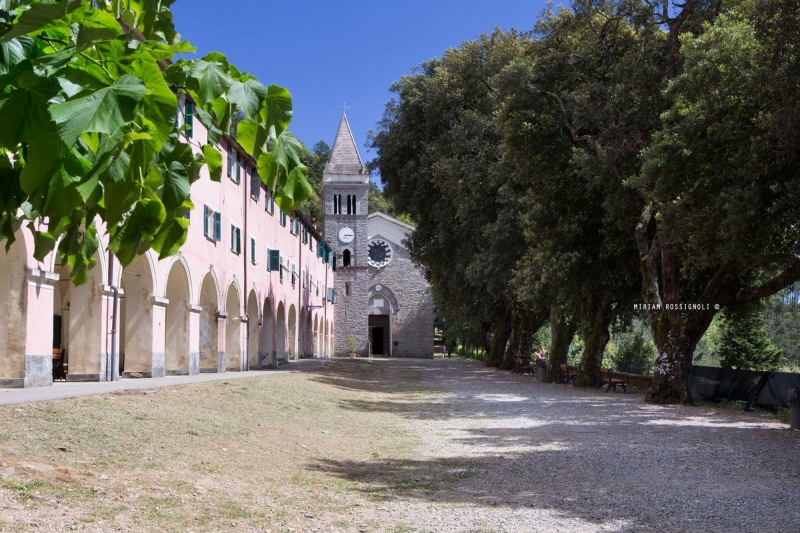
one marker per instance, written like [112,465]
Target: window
[255,186]
[305,234]
[283,218]
[212,224]
[269,207]
[275,260]
[304,279]
[347,289]
[297,225]
[337,204]
[238,169]
[311,280]
[253,250]
[294,275]
[346,258]
[293,226]
[189,120]
[321,249]
[230,160]
[236,240]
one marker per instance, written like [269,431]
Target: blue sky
[331,52]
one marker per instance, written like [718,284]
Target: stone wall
[351,311]
[414,332]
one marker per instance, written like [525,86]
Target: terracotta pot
[352,356]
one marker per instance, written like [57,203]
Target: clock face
[346,235]
[380,253]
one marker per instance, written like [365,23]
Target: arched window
[346,258]
[347,289]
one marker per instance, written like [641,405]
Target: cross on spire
[345,107]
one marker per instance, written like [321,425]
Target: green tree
[744,342]
[720,179]
[439,156]
[315,160]
[88,110]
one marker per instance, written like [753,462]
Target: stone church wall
[415,317]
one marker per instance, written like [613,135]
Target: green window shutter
[230,161]
[252,250]
[218,227]
[238,241]
[238,169]
[189,118]
[275,260]
[205,220]
[233,238]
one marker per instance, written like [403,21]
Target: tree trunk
[675,345]
[485,344]
[498,349]
[513,351]
[595,319]
[562,329]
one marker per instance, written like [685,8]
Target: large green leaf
[268,170]
[294,190]
[176,185]
[14,52]
[214,162]
[144,220]
[103,111]
[252,137]
[44,157]
[209,79]
[160,102]
[277,112]
[288,151]
[170,237]
[248,96]
[23,112]
[47,16]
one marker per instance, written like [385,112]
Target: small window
[283,218]
[305,235]
[238,169]
[236,240]
[255,186]
[275,260]
[212,224]
[304,279]
[253,250]
[189,120]
[336,198]
[294,274]
[269,205]
[293,226]
[347,289]
[346,258]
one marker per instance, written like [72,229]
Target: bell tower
[345,183]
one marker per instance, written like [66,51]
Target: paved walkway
[62,390]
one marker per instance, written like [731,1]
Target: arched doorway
[136,319]
[301,333]
[86,357]
[252,329]
[233,329]
[267,335]
[13,327]
[316,337]
[292,333]
[209,330]
[176,345]
[280,331]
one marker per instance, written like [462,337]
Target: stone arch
[309,336]
[267,342]
[280,332]
[386,294]
[180,259]
[253,319]
[233,327]
[292,323]
[301,333]
[136,317]
[208,301]
[13,328]
[315,347]
[178,292]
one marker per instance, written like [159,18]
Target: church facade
[383,301]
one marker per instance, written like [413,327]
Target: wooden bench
[610,381]
[569,373]
[524,366]
[59,368]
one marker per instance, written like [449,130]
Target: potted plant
[394,352]
[351,343]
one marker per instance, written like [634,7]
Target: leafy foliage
[744,342]
[88,109]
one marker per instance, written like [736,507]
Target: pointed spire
[344,155]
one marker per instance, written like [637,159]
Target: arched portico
[209,324]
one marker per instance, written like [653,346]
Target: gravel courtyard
[501,452]
[392,446]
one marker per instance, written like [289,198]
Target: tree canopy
[89,99]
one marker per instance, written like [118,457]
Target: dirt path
[395,446]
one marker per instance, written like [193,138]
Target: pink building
[249,289]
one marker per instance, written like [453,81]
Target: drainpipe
[246,291]
[114,356]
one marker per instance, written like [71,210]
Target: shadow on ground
[493,438]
